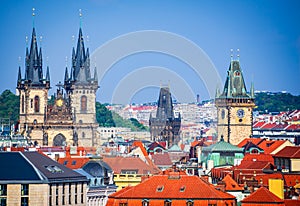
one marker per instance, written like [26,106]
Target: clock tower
[234,106]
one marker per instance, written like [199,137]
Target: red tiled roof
[172,187]
[270,145]
[130,163]
[258,124]
[259,157]
[289,152]
[255,141]
[162,159]
[262,195]
[290,180]
[231,184]
[293,127]
[140,145]
[255,165]
[73,162]
[288,202]
[268,126]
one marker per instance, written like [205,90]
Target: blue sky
[266,32]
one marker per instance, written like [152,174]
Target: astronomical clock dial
[240,113]
[59,102]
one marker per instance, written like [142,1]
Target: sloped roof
[259,157]
[173,187]
[162,159]
[42,163]
[289,152]
[255,141]
[270,145]
[174,148]
[34,167]
[262,195]
[222,146]
[140,145]
[130,163]
[73,162]
[231,184]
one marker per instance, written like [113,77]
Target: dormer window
[182,189]
[159,188]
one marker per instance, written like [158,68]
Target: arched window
[36,104]
[22,104]
[83,104]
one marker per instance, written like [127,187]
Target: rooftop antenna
[33,14]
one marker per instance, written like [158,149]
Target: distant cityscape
[215,152]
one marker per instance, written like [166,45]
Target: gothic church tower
[234,106]
[81,87]
[33,90]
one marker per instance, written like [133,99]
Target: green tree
[9,106]
[104,116]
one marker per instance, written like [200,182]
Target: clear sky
[267,32]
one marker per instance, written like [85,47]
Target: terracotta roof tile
[255,141]
[289,152]
[130,163]
[73,162]
[270,145]
[262,195]
[173,187]
[162,159]
[259,157]
[231,184]
[140,145]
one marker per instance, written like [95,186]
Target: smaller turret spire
[19,75]
[66,75]
[252,90]
[48,75]
[95,75]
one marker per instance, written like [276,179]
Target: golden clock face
[59,102]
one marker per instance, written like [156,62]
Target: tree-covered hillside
[9,106]
[275,102]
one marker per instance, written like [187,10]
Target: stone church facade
[235,107]
[69,118]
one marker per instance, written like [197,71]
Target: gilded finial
[80,16]
[26,39]
[33,15]
[19,59]
[238,53]
[231,54]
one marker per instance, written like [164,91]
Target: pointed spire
[217,92]
[252,90]
[95,75]
[48,75]
[40,57]
[19,75]
[66,75]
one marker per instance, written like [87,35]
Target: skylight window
[160,188]
[54,169]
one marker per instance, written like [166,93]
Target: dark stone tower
[33,90]
[165,127]
[234,106]
[81,88]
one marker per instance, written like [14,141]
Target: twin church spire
[80,71]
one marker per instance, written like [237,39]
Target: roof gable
[262,195]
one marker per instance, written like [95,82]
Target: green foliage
[107,118]
[9,106]
[104,116]
[276,102]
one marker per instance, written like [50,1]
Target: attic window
[182,189]
[54,169]
[74,162]
[160,188]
